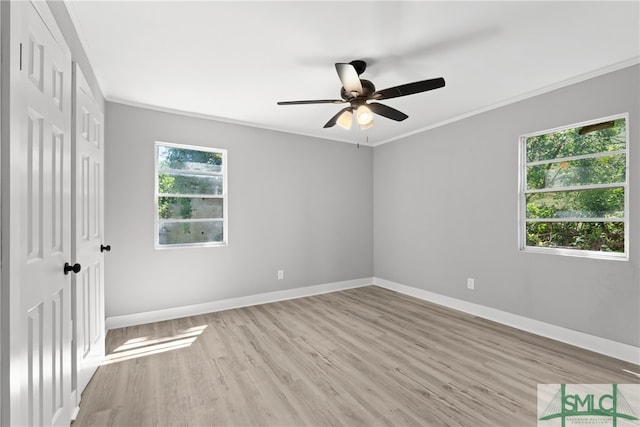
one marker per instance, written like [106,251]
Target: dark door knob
[104,248]
[75,268]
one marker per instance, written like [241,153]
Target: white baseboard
[114,322]
[604,346]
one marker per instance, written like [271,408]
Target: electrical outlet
[280,274]
[471,283]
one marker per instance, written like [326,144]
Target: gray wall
[295,203]
[445,208]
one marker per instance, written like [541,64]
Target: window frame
[224,196]
[522,193]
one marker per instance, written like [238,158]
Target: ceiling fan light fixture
[345,120]
[365,117]
[358,92]
[367,126]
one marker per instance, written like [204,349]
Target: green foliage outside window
[557,166]
[184,177]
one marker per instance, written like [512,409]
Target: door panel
[57,193]
[34,171]
[87,236]
[40,147]
[35,365]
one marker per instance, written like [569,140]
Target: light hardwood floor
[360,357]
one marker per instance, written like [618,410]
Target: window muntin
[573,192]
[585,171]
[190,196]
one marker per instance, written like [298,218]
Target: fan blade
[409,89]
[313,101]
[386,111]
[349,78]
[332,122]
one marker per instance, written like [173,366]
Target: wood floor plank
[361,357]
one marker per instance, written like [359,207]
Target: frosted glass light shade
[345,120]
[367,126]
[365,116]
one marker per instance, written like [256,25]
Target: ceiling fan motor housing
[368,89]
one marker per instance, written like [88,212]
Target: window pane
[176,233]
[600,170]
[570,143]
[593,236]
[169,183]
[189,207]
[601,203]
[195,160]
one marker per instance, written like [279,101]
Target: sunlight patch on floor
[147,346]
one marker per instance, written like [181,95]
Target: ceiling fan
[358,92]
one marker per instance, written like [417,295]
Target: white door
[39,239]
[87,236]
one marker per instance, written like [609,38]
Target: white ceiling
[234,60]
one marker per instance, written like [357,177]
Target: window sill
[192,246]
[610,256]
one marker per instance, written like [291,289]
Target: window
[573,191]
[191,192]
